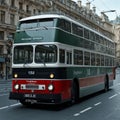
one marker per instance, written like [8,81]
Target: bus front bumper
[40,98]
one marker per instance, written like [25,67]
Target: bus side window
[102,60]
[86,58]
[97,60]
[78,57]
[64,25]
[93,59]
[62,56]
[69,57]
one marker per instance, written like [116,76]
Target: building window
[27,8]
[13,3]
[11,36]
[2,1]
[34,11]
[1,49]
[39,12]
[1,35]
[20,17]
[20,5]
[2,16]
[12,19]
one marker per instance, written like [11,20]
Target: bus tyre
[74,93]
[106,84]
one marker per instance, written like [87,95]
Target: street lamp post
[108,11]
[104,16]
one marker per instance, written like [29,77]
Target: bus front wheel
[23,102]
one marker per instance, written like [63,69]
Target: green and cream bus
[57,59]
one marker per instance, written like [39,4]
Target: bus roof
[44,16]
[60,16]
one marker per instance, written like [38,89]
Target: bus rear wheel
[74,93]
[106,83]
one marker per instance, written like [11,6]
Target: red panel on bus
[62,87]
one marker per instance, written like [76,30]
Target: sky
[105,5]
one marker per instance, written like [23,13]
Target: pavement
[5,86]
[5,81]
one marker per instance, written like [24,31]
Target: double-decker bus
[57,59]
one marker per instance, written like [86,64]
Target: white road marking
[5,107]
[113,96]
[76,114]
[85,109]
[96,104]
[15,104]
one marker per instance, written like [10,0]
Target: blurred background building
[13,10]
[10,12]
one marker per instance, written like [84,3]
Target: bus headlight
[51,75]
[16,87]
[15,75]
[50,87]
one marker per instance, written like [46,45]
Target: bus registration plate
[29,95]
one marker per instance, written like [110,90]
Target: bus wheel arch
[24,103]
[106,83]
[75,90]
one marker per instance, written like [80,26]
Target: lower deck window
[87,58]
[46,53]
[78,57]
[69,57]
[62,56]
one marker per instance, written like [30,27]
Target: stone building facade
[117,34]
[10,12]
[13,10]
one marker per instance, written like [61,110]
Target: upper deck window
[31,24]
[78,30]
[64,24]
